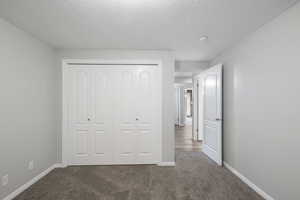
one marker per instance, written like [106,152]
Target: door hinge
[197,130]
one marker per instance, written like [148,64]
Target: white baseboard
[248,182]
[60,165]
[166,164]
[31,182]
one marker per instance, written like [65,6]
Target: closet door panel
[102,116]
[80,118]
[125,117]
[144,112]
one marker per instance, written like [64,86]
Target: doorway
[184,140]
[201,127]
[188,94]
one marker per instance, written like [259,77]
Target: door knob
[89,119]
[137,119]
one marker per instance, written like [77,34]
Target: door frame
[65,145]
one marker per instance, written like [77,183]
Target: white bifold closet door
[112,115]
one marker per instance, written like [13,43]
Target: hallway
[183,139]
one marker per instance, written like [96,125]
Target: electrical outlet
[31,165]
[4,180]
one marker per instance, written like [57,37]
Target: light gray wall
[168,96]
[185,70]
[262,106]
[190,66]
[28,106]
[184,80]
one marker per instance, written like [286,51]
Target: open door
[212,113]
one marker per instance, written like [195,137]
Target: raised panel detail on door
[102,96]
[145,151]
[82,136]
[210,137]
[210,97]
[81,96]
[125,148]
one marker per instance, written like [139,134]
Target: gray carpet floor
[195,177]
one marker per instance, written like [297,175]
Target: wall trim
[166,164]
[60,165]
[248,182]
[23,187]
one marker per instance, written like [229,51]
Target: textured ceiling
[143,24]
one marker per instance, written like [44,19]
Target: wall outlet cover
[31,165]
[4,180]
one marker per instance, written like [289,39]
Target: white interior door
[80,119]
[101,115]
[135,136]
[91,126]
[212,107]
[145,117]
[125,121]
[113,118]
